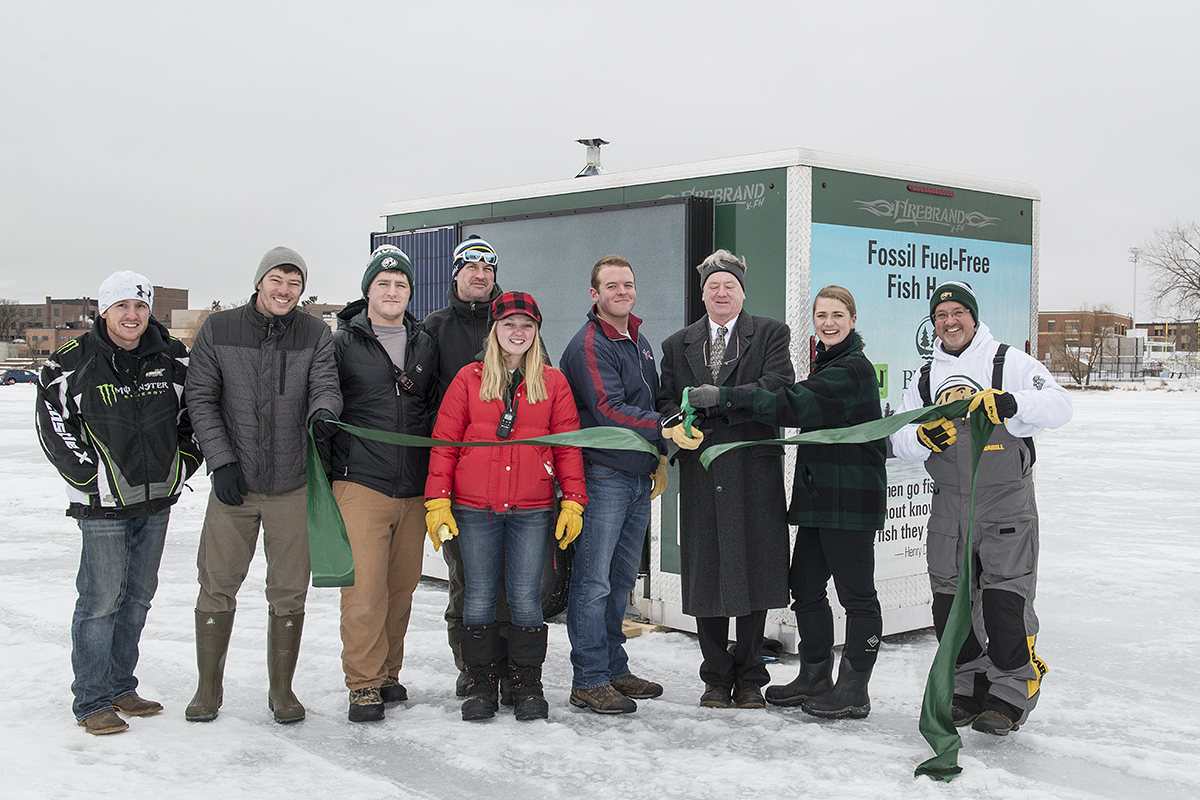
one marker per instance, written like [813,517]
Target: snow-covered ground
[1118,603]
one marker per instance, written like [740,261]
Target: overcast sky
[185,140]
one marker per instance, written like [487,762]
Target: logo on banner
[906,212]
[925,338]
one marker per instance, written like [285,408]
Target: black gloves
[229,484]
[321,425]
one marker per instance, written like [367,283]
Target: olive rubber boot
[283,648]
[212,645]
[526,653]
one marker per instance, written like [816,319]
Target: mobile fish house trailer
[801,219]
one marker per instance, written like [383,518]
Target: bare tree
[1084,343]
[8,319]
[1173,255]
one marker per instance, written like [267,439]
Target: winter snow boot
[813,680]
[526,653]
[366,705]
[212,644]
[847,699]
[392,691]
[481,654]
[283,648]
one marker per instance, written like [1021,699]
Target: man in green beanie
[388,368]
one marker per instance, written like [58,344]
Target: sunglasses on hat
[479,255]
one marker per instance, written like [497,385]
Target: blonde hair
[496,377]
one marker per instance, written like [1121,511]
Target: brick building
[1077,328]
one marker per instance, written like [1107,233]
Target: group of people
[126,416]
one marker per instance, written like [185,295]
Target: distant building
[46,326]
[1076,329]
[1183,335]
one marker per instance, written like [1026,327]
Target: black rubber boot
[814,679]
[212,645]
[481,655]
[847,699]
[526,653]
[283,650]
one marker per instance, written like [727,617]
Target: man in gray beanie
[259,374]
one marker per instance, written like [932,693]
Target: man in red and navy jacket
[610,367]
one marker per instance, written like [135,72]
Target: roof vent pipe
[593,166]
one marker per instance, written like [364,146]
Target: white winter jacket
[1041,403]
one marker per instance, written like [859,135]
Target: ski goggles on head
[478,255]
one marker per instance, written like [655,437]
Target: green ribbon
[328,544]
[935,725]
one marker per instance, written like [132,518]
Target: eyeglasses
[735,344]
[479,255]
[942,316]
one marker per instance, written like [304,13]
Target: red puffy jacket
[504,478]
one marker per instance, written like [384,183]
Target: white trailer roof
[719,166]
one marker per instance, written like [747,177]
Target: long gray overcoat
[733,517]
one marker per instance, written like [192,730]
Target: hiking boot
[848,699]
[997,718]
[716,696]
[133,706]
[392,691]
[964,710]
[747,695]
[637,688]
[462,683]
[603,700]
[103,723]
[366,705]
[813,680]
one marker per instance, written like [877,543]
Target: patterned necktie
[718,352]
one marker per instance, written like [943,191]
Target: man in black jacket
[460,329]
[112,419]
[387,367]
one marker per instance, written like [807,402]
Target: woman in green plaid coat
[839,500]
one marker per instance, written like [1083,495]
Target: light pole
[1134,253]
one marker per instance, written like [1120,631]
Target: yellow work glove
[937,435]
[999,405]
[570,523]
[439,522]
[679,436]
[660,478]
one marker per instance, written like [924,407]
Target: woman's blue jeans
[511,547]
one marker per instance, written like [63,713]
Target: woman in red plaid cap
[502,500]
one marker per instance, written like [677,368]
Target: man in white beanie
[260,374]
[112,418]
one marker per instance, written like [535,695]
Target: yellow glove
[439,522]
[679,436]
[660,478]
[997,404]
[570,523]
[937,435]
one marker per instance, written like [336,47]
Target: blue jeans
[604,572]
[118,574]
[517,543]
